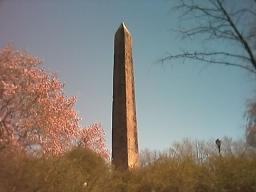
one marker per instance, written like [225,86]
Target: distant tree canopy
[35,115]
[189,166]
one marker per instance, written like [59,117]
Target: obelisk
[124,123]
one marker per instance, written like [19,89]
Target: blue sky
[75,40]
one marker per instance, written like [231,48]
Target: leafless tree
[225,22]
[228,27]
[251,125]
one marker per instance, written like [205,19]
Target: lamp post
[218,143]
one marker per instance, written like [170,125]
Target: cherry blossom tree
[93,138]
[35,115]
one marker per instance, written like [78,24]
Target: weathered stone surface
[124,123]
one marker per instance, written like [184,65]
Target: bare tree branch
[204,57]
[228,24]
[240,36]
[215,22]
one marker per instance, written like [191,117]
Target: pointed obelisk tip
[124,27]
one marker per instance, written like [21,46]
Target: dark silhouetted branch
[216,22]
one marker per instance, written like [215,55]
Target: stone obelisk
[124,123]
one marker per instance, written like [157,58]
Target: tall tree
[35,115]
[228,29]
[251,125]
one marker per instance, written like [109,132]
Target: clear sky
[75,40]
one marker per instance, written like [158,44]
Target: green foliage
[230,173]
[75,171]
[176,170]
